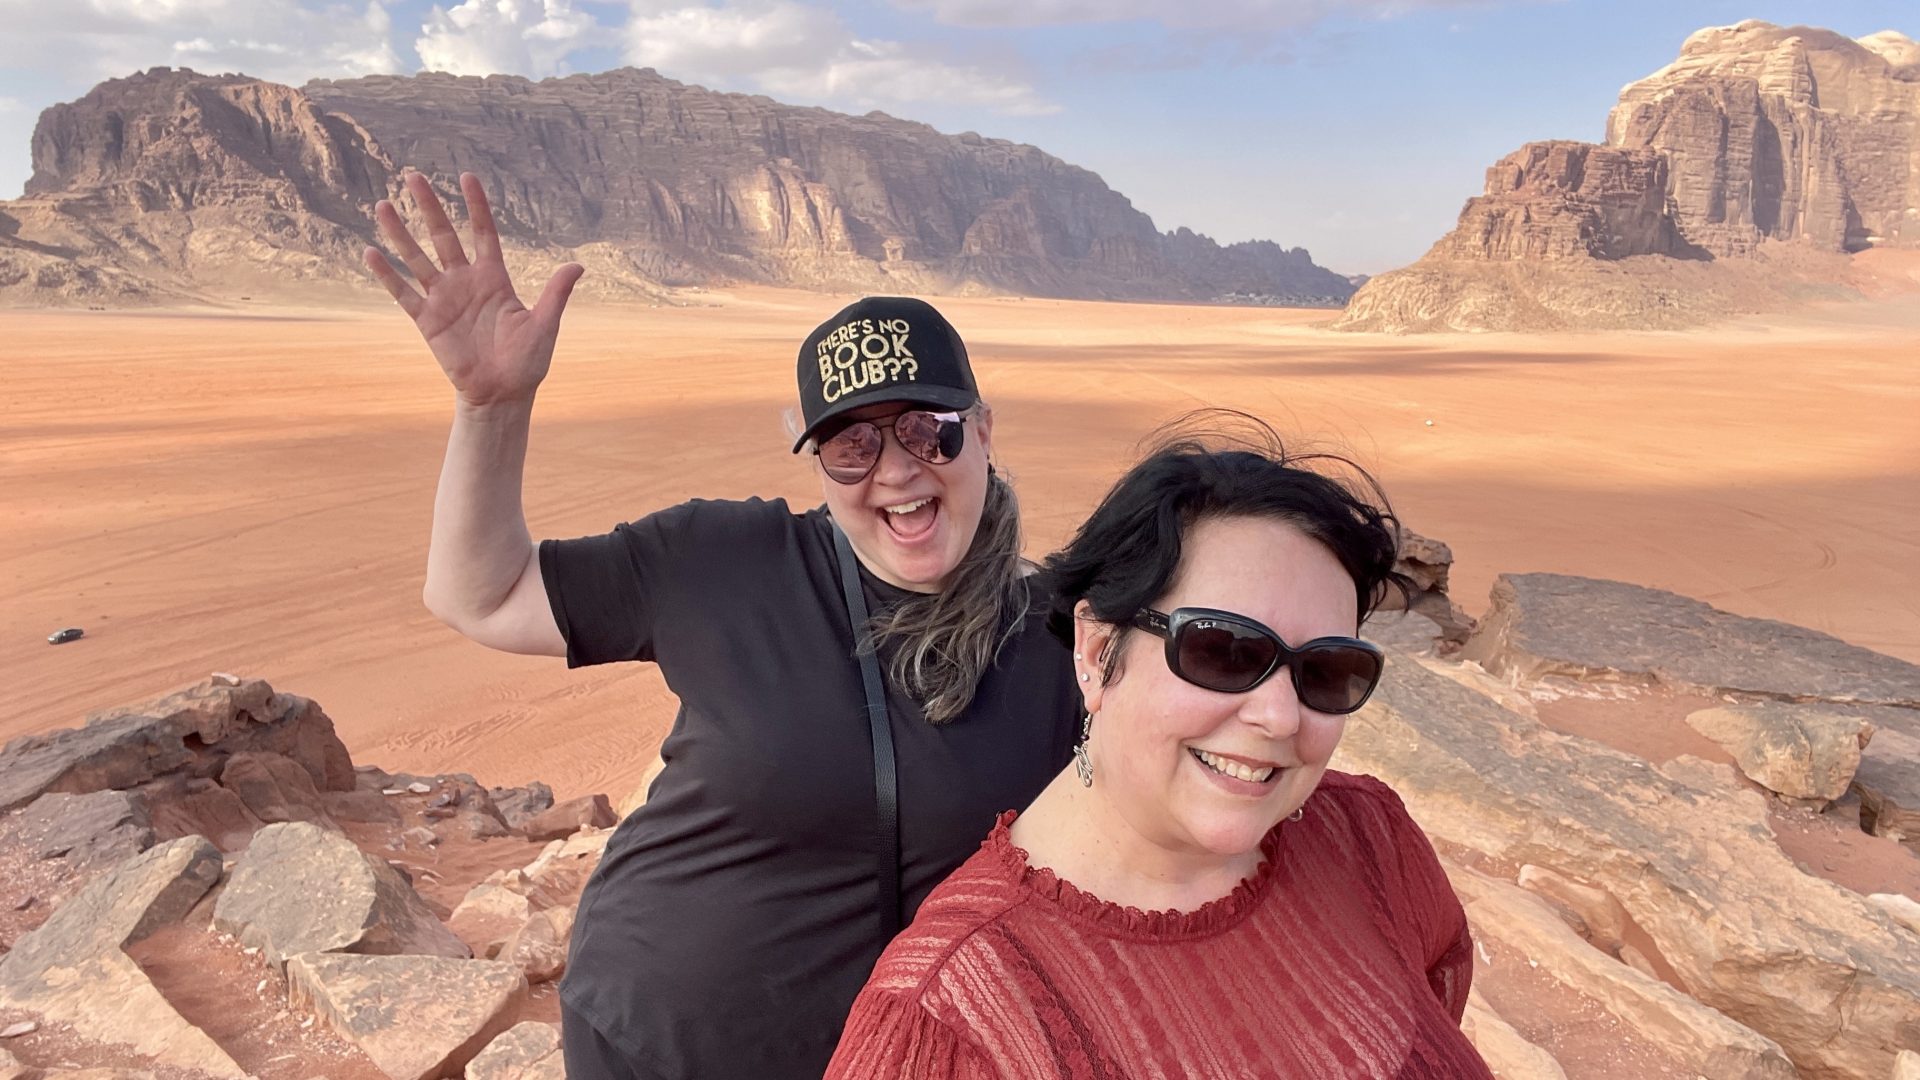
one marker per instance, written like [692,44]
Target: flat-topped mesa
[1784,133]
[1567,200]
[196,184]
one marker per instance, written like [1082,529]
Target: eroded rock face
[194,183]
[302,888]
[1784,133]
[1732,182]
[95,829]
[1686,852]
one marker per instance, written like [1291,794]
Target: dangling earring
[1083,764]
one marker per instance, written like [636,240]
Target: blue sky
[1354,128]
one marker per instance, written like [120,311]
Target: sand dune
[251,493]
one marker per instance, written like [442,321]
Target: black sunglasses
[850,453]
[1233,654]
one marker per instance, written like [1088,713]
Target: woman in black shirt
[734,917]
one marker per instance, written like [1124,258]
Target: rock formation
[1734,180]
[173,184]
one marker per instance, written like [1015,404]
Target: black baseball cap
[882,348]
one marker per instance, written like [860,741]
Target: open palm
[493,348]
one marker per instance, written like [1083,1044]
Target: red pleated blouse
[1345,955]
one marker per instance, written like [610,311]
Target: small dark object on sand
[61,637]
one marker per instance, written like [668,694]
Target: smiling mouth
[1232,768]
[911,520]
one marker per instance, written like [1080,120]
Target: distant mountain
[1736,179]
[171,185]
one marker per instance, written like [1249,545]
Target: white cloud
[1232,15]
[12,104]
[801,52]
[524,37]
[280,40]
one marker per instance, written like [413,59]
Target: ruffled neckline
[1210,918]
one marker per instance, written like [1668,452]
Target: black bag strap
[886,783]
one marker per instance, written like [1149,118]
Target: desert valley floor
[250,491]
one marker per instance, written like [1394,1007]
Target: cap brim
[945,397]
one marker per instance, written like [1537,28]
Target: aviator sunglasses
[1233,654]
[850,453]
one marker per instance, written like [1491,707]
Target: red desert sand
[250,493]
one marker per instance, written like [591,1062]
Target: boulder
[192,731]
[1906,1066]
[302,888]
[1541,625]
[567,818]
[99,828]
[528,1050]
[415,1017]
[274,788]
[1705,1040]
[368,807]
[518,804]
[1800,751]
[539,947]
[1688,854]
[74,970]
[185,805]
[1888,781]
[488,916]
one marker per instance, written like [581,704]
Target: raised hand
[493,348]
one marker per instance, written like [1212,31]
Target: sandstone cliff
[1734,180]
[171,183]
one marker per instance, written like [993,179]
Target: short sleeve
[890,1036]
[608,592]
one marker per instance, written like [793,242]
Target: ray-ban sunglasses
[1233,654]
[850,453]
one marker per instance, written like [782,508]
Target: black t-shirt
[732,919]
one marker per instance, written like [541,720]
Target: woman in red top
[1198,896]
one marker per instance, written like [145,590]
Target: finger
[410,301]
[553,298]
[401,240]
[446,242]
[486,236]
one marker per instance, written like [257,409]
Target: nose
[1273,708]
[896,467]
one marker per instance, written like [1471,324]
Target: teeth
[1229,767]
[907,508]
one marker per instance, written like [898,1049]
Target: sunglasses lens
[1335,678]
[1224,656]
[849,455]
[932,437]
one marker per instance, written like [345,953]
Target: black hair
[1219,463]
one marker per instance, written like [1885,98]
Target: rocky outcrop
[186,736]
[73,969]
[1733,181]
[188,185]
[1687,853]
[1783,133]
[300,888]
[1540,625]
